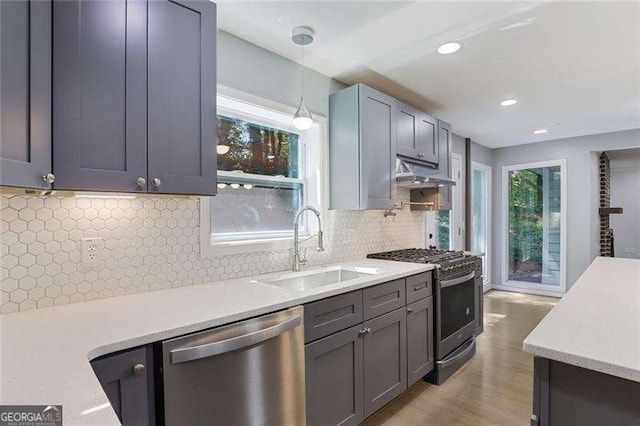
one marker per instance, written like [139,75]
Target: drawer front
[419,286]
[330,315]
[383,298]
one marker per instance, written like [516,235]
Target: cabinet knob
[364,331]
[420,155]
[138,370]
[141,182]
[49,178]
[409,310]
[156,182]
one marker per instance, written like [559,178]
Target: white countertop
[45,353]
[596,325]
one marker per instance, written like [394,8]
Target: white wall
[581,214]
[625,193]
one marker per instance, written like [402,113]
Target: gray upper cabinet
[429,148]
[362,149]
[182,94]
[416,134]
[25,85]
[100,95]
[445,140]
[134,96]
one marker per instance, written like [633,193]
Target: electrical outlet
[92,251]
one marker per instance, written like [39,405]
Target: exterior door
[182,97]
[420,359]
[100,95]
[334,379]
[378,149]
[407,122]
[428,146]
[385,359]
[25,85]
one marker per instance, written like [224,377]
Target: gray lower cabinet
[182,96]
[334,379]
[363,149]
[25,86]
[134,96]
[128,381]
[385,359]
[100,95]
[420,351]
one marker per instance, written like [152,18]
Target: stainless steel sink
[313,279]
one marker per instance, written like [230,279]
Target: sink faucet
[297,259]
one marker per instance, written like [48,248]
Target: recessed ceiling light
[449,48]
[540,131]
[509,102]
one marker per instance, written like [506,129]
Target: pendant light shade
[302,119]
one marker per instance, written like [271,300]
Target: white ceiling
[573,66]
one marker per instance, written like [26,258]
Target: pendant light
[302,36]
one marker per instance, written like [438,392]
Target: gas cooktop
[419,255]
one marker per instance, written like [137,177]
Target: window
[267,170]
[443,229]
[534,215]
[481,213]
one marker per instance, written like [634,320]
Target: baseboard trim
[486,287]
[527,291]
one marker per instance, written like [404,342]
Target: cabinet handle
[138,370]
[49,178]
[156,182]
[409,310]
[141,182]
[419,287]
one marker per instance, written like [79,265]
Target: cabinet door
[407,123]
[428,145]
[100,95]
[25,86]
[127,379]
[444,163]
[334,379]
[182,94]
[385,359]
[419,339]
[378,149]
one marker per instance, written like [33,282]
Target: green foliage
[443,220]
[257,149]
[525,216]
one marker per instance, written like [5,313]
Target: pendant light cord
[302,72]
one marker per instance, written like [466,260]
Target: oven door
[455,312]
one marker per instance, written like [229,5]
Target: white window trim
[315,196]
[526,287]
[489,172]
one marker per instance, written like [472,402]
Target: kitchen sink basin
[307,280]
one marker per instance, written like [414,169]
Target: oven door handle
[456,281]
[447,362]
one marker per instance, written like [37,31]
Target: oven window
[457,307]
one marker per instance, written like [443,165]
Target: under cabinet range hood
[415,175]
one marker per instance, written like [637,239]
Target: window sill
[222,248]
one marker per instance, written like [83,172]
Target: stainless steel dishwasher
[248,373]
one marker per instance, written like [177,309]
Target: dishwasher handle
[216,348]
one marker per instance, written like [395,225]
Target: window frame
[528,287]
[489,171]
[313,146]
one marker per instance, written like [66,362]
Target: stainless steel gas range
[456,310]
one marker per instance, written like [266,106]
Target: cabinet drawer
[383,298]
[330,315]
[419,286]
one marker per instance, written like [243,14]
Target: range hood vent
[415,175]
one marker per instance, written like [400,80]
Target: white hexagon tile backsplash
[151,244]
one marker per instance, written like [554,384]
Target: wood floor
[494,388]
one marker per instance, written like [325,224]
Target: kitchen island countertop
[596,325]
